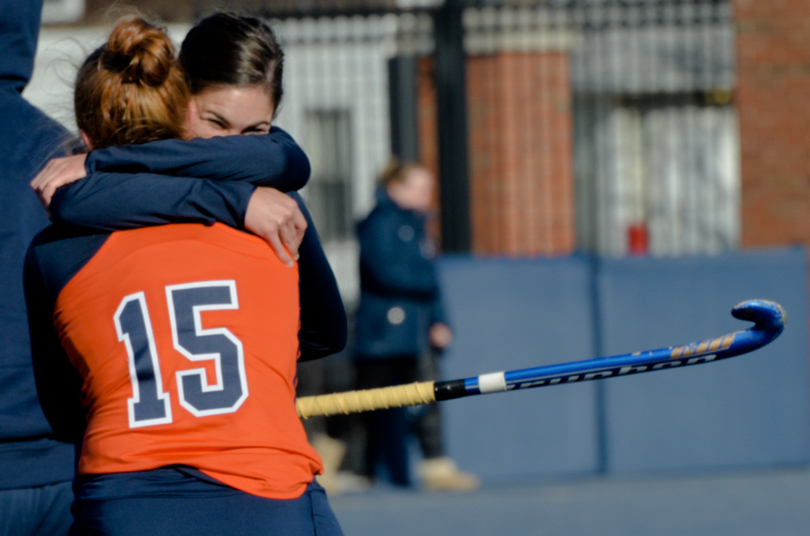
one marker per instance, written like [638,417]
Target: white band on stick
[494,382]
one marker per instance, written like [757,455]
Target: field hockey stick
[768,317]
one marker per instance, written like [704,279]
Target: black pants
[387,431]
[427,422]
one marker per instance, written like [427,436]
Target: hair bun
[140,52]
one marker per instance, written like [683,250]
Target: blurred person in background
[400,327]
[36,469]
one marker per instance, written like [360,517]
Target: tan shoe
[334,481]
[331,452]
[344,482]
[442,474]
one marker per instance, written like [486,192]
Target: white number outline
[133,373]
[198,329]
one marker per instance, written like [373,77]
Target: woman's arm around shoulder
[120,201]
[273,159]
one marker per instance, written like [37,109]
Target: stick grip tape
[410,394]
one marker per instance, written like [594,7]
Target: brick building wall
[521,174]
[521,154]
[773,102]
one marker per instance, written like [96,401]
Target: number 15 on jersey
[149,404]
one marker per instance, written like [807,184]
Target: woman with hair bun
[169,352]
[132,90]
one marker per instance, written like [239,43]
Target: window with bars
[656,145]
[328,143]
[656,176]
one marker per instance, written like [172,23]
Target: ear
[86,140]
[192,119]
[193,112]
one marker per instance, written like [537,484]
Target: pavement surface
[752,503]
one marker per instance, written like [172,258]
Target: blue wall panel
[512,314]
[753,410]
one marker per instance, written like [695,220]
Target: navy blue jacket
[203,181]
[29,454]
[399,290]
[158,182]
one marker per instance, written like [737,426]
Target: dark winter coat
[399,289]
[29,453]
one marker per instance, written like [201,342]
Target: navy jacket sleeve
[324,327]
[117,201]
[272,159]
[58,383]
[437,311]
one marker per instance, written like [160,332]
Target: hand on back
[275,217]
[58,172]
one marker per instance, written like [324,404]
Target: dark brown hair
[231,50]
[131,90]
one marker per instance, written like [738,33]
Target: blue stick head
[767,315]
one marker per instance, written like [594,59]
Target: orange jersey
[186,339]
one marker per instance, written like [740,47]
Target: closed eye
[215,119]
[260,128]
[217,123]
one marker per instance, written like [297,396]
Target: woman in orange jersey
[176,344]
